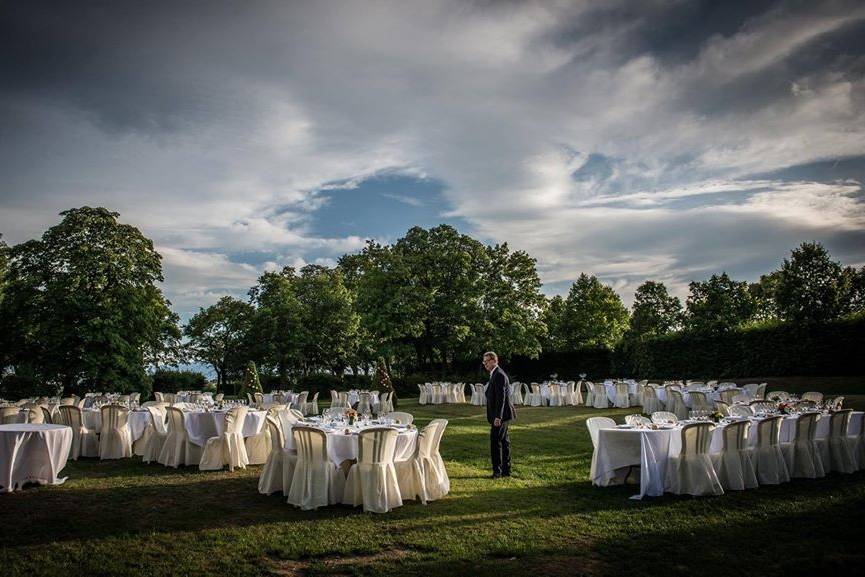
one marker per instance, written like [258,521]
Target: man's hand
[497,422]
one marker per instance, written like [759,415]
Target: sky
[665,140]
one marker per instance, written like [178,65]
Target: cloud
[630,140]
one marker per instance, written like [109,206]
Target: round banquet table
[32,453]
[201,425]
[344,447]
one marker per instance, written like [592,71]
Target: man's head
[490,360]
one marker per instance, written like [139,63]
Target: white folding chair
[85,442]
[771,468]
[372,481]
[158,433]
[316,481]
[733,463]
[802,454]
[690,471]
[279,467]
[228,448]
[115,442]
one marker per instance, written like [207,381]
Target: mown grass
[126,517]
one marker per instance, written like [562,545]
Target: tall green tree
[218,335]
[329,322]
[812,287]
[277,325]
[82,304]
[593,315]
[765,296]
[552,316]
[718,305]
[655,311]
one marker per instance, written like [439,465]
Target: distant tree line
[81,309]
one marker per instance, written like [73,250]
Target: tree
[217,335]
[593,315]
[329,322]
[512,304]
[251,382]
[857,288]
[277,323]
[764,294]
[812,287]
[82,307]
[718,305]
[654,312]
[553,316]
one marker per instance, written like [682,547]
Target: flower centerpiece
[716,416]
[351,415]
[784,408]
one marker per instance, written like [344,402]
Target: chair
[778,396]
[723,408]
[728,395]
[600,396]
[158,434]
[436,479]
[751,389]
[733,463]
[312,406]
[740,411]
[664,417]
[478,396]
[636,420]
[364,405]
[410,472]
[517,393]
[334,399]
[700,402]
[763,407]
[259,400]
[836,404]
[837,452]
[386,402]
[158,397]
[115,442]
[651,402]
[228,448]
[621,399]
[401,417]
[279,467]
[690,471]
[177,449]
[576,393]
[85,442]
[67,401]
[802,454]
[372,481]
[300,402]
[9,415]
[555,398]
[257,446]
[34,414]
[46,414]
[813,396]
[594,424]
[218,398]
[590,394]
[421,398]
[676,404]
[761,391]
[769,463]
[316,481]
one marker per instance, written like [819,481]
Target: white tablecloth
[650,450]
[32,453]
[342,447]
[201,425]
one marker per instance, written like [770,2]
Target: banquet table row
[711,393]
[650,449]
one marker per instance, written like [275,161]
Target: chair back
[46,414]
[334,397]
[277,437]
[622,389]
[259,399]
[649,392]
[778,396]
[675,395]
[722,407]
[175,420]
[218,397]
[377,445]
[536,389]
[234,419]
[699,400]
[838,423]
[159,397]
[113,417]
[67,401]
[401,417]
[71,416]
[311,444]
[594,424]
[806,427]
[812,396]
[696,438]
[157,418]
[736,435]
[769,431]
[664,417]
[728,395]
[441,425]
[741,411]
[763,407]
[635,420]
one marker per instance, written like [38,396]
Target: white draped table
[32,453]
[201,425]
[650,449]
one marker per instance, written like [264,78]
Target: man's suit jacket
[499,403]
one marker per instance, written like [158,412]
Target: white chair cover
[158,434]
[401,417]
[517,393]
[436,480]
[814,396]
[85,443]
[279,468]
[577,396]
[372,481]
[593,424]
[661,417]
[590,394]
[316,482]
[621,400]
[690,472]
[740,411]
[555,398]
[177,449]
[228,448]
[635,420]
[410,472]
[771,468]
[115,442]
[676,403]
[802,454]
[300,402]
[651,402]
[838,451]
[478,396]
[700,402]
[258,447]
[733,463]
[421,399]
[600,396]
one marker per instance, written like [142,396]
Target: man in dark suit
[500,412]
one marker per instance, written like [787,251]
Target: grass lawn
[125,517]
